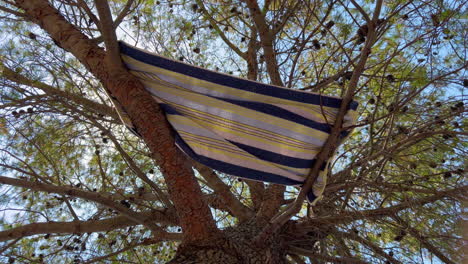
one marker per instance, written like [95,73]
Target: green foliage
[409,143]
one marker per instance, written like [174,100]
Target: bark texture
[195,216]
[235,247]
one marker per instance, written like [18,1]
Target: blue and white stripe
[237,126]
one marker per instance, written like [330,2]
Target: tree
[78,187]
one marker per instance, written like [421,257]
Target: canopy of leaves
[397,185]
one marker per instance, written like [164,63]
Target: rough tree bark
[195,217]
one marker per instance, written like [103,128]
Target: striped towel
[237,126]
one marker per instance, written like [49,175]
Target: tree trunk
[184,190]
[236,247]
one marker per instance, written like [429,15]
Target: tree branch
[9,245]
[81,227]
[347,217]
[416,234]
[308,253]
[332,142]
[90,196]
[108,32]
[123,13]
[53,91]
[13,12]
[369,245]
[212,180]
[131,246]
[145,113]
[267,39]
[134,167]
[215,26]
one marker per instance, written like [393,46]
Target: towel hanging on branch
[237,126]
